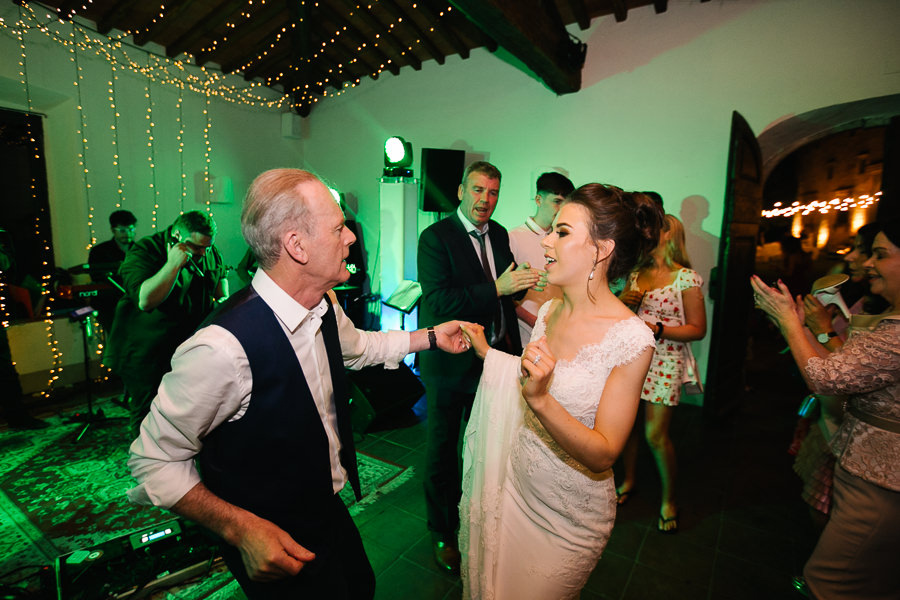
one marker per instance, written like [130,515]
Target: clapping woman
[856,555]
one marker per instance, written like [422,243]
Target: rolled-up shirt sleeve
[364,348]
[208,385]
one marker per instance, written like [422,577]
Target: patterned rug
[59,493]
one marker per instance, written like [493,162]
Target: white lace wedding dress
[533,521]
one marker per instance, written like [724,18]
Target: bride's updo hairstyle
[631,219]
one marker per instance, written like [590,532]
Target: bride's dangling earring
[591,276]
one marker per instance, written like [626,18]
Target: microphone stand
[83,315]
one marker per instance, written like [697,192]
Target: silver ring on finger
[536,359]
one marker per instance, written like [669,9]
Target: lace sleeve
[868,361]
[630,340]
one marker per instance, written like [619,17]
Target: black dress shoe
[447,557]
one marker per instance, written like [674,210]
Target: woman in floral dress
[666,294]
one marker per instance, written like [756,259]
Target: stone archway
[785,136]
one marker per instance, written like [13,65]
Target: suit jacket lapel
[468,248]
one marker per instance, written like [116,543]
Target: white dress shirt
[211,383]
[483,230]
[489,250]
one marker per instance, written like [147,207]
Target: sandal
[624,496]
[667,525]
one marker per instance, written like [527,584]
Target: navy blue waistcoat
[274,460]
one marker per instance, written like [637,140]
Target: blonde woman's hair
[675,250]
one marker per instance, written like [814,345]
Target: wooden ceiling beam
[581,14]
[347,71]
[458,20]
[346,25]
[424,39]
[446,32]
[620,10]
[533,34]
[352,63]
[65,11]
[265,19]
[209,22]
[258,68]
[366,68]
[405,54]
[660,6]
[111,18]
[153,31]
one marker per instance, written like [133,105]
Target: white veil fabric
[497,413]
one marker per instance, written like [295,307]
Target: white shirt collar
[289,311]
[468,224]
[535,228]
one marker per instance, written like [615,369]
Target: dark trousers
[342,572]
[448,414]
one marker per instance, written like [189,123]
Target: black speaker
[376,391]
[441,174]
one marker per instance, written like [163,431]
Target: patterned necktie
[498,313]
[484,259]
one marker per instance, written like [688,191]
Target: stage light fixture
[397,157]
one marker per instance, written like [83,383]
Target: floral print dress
[666,375]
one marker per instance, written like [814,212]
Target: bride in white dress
[538,499]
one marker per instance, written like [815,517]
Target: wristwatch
[824,337]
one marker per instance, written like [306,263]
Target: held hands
[522,278]
[451,336]
[474,334]
[269,553]
[537,365]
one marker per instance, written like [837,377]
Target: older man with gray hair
[258,398]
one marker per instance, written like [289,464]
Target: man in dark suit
[467,272]
[259,398]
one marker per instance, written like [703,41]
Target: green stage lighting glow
[397,157]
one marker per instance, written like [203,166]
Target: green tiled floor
[744,531]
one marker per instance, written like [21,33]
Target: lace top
[568,487]
[867,368]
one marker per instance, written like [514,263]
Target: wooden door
[730,284]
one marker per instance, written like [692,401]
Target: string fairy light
[180,119]
[120,183]
[186,74]
[52,341]
[151,156]
[821,206]
[82,155]
[206,156]
[163,71]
